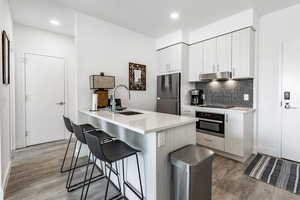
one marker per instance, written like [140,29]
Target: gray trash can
[191,173]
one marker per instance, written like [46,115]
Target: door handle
[61,103]
[288,106]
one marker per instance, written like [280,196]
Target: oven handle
[211,120]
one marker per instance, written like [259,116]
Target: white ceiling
[38,13]
[150,17]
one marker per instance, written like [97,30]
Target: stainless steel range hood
[215,76]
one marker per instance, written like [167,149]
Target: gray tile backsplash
[229,92]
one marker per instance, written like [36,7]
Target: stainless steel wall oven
[211,123]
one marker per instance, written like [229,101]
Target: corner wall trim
[251,27]
[172,45]
[189,44]
[6,178]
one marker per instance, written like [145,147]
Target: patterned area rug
[278,172]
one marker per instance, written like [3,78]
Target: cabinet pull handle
[226,118]
[207,140]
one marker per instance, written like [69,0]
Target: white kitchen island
[156,135]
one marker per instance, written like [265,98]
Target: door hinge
[26,133]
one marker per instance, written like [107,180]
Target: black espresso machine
[197,97]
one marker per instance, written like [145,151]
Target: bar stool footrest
[84,165]
[79,185]
[133,189]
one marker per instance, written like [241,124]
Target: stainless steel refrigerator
[168,93]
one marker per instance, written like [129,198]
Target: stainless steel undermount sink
[129,113]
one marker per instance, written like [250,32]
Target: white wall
[36,41]
[6,104]
[105,47]
[235,22]
[275,28]
[171,38]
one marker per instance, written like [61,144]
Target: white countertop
[206,109]
[141,123]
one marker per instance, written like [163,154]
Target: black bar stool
[68,124]
[110,153]
[80,139]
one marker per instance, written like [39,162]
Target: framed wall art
[5,59]
[137,76]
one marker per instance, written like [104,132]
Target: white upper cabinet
[170,59]
[223,53]
[217,54]
[209,56]
[243,54]
[195,61]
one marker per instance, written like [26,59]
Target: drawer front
[211,141]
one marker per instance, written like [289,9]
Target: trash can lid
[190,155]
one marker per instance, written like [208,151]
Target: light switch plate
[161,139]
[246,97]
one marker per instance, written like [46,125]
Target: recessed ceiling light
[54,22]
[174,15]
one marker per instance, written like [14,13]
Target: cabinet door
[162,61]
[174,56]
[210,56]
[234,134]
[224,53]
[243,54]
[169,59]
[195,61]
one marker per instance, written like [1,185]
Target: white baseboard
[1,194]
[268,151]
[6,177]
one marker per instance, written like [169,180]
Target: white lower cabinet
[211,141]
[238,141]
[234,133]
[239,134]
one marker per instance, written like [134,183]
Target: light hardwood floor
[35,176]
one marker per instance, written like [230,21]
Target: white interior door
[45,98]
[291,100]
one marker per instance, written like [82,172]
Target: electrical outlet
[246,97]
[161,139]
